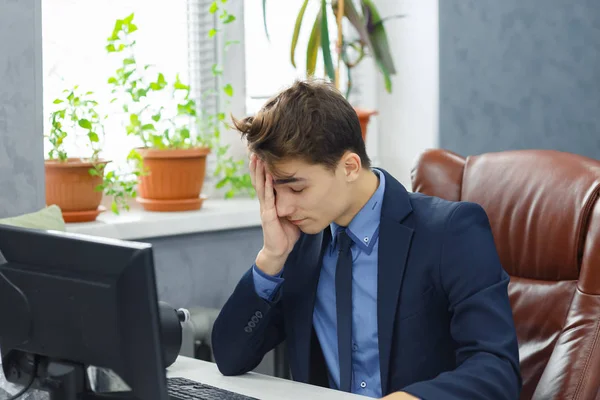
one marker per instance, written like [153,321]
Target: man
[375,290]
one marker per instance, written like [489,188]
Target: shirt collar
[364,227]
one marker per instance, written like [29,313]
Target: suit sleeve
[247,327]
[482,326]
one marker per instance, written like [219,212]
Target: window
[74,36]
[268,64]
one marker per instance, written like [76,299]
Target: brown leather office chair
[545,215]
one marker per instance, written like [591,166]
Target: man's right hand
[279,235]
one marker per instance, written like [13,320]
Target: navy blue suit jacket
[445,325]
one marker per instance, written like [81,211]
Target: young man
[375,290]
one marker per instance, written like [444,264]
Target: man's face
[310,195]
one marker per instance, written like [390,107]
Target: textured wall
[202,269]
[520,74]
[21,130]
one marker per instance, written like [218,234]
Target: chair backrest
[545,216]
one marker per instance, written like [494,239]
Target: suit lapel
[305,276]
[394,245]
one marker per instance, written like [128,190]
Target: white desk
[262,387]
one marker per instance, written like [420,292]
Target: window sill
[215,215]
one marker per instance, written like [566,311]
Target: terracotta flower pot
[173,179]
[70,186]
[364,117]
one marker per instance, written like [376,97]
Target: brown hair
[310,120]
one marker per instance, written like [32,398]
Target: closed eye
[296,191]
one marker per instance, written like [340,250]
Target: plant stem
[340,14]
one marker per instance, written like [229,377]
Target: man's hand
[400,396]
[279,235]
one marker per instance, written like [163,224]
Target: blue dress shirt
[364,231]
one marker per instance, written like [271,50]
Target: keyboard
[186,389]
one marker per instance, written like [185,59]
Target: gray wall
[202,269]
[520,74]
[21,124]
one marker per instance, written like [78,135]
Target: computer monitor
[71,301]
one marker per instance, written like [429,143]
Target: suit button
[258,314]
[254,319]
[248,329]
[363,384]
[251,324]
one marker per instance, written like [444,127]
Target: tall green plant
[372,39]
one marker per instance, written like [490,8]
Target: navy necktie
[343,296]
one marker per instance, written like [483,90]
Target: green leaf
[57,101]
[297,31]
[180,85]
[378,36]
[127,20]
[156,117]
[264,10]
[131,28]
[312,50]
[128,61]
[217,70]
[213,7]
[85,124]
[229,43]
[229,19]
[221,183]
[93,172]
[114,207]
[148,127]
[358,22]
[325,44]
[212,33]
[93,136]
[228,89]
[110,48]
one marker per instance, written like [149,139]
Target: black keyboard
[186,389]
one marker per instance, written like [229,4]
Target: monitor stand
[63,380]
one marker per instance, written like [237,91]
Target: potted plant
[372,41]
[170,161]
[175,136]
[75,183]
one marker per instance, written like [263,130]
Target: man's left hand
[400,396]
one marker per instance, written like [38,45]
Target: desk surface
[252,384]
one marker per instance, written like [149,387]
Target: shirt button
[366,239]
[363,384]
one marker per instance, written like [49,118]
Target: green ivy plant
[228,171]
[77,115]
